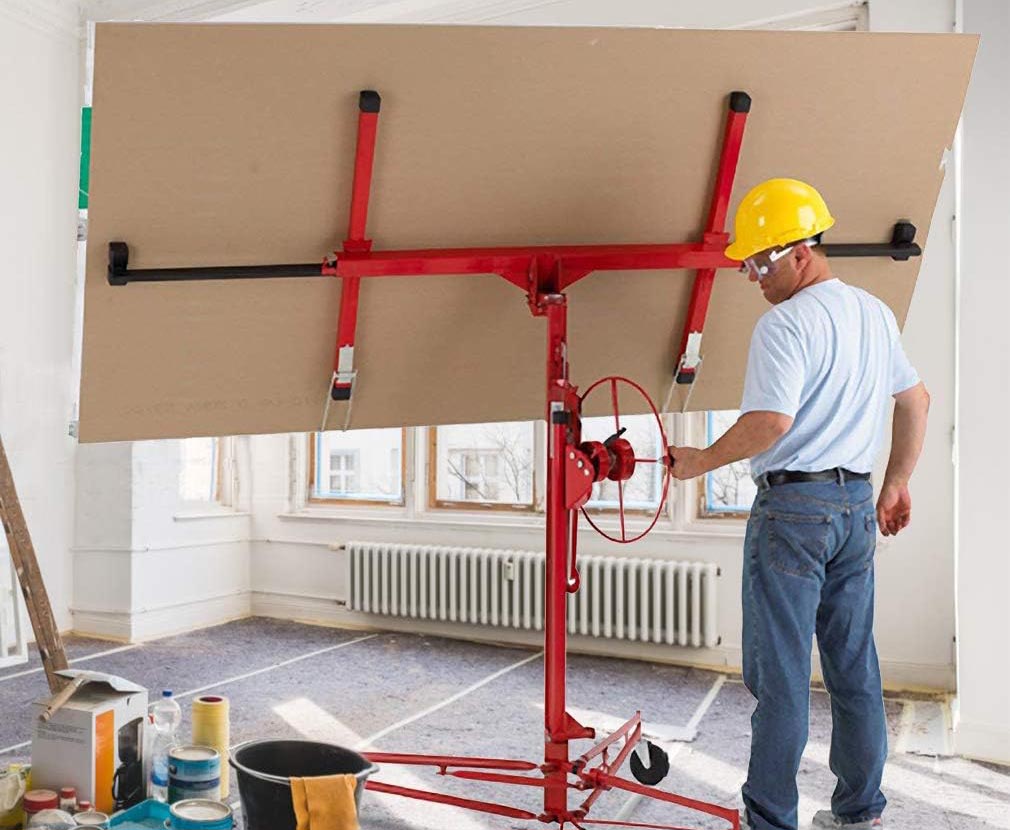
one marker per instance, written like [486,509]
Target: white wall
[167,565]
[983,578]
[39,151]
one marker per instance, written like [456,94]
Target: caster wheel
[658,769]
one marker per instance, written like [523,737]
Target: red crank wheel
[623,460]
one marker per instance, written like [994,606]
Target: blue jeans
[809,569]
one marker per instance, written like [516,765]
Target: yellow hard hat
[778,212]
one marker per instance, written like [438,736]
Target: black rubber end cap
[369,101]
[904,236]
[119,260]
[739,101]
[340,393]
[685,377]
[904,233]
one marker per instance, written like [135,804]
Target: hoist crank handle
[574,579]
[615,436]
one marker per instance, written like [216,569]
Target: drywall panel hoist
[574,465]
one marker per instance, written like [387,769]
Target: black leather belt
[839,474]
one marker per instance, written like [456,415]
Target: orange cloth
[325,802]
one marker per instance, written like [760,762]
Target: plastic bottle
[166,716]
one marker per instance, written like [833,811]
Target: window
[343,471]
[199,472]
[363,466]
[728,491]
[644,490]
[482,465]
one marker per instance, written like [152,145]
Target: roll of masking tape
[211,728]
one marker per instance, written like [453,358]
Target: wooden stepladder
[26,566]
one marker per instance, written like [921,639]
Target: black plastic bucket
[265,770]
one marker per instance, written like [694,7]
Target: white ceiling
[688,13]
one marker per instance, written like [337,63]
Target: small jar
[36,801]
[83,806]
[68,799]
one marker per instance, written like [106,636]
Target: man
[824,362]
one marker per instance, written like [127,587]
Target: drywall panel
[222,144]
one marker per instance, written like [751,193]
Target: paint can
[200,814]
[194,772]
[91,818]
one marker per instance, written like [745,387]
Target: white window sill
[209,512]
[725,531]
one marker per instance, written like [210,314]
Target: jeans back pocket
[798,542]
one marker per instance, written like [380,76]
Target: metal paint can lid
[91,818]
[193,753]
[200,809]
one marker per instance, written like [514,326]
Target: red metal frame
[543,273]
[715,237]
[364,158]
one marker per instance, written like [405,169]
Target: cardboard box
[94,742]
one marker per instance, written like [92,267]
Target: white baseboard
[299,607]
[330,611]
[105,625]
[982,741]
[149,624]
[898,676]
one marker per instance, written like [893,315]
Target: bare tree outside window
[643,490]
[728,490]
[490,464]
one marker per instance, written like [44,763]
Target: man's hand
[687,462]
[894,508]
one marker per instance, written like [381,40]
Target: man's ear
[803,255]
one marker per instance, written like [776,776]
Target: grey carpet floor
[411,693]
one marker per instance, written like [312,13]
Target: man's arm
[753,433]
[894,506]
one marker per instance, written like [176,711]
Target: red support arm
[573,261]
[715,237]
[343,360]
[441,798]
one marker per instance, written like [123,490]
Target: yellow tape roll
[211,728]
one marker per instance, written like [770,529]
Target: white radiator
[648,600]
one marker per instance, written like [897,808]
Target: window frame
[680,516]
[312,499]
[434,503]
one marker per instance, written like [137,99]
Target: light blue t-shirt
[830,357]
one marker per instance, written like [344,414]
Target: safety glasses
[764,263]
